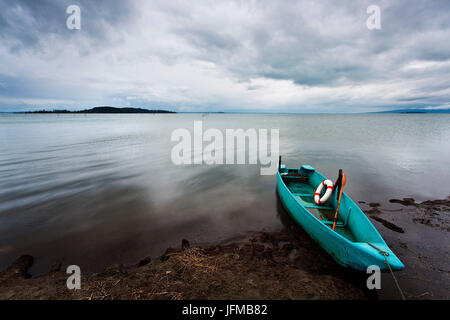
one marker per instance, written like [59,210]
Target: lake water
[97,189]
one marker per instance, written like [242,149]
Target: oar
[338,183]
[344,180]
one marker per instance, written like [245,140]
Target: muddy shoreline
[418,232]
[277,265]
[264,265]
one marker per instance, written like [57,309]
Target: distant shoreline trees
[104,110]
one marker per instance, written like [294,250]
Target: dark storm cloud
[227,55]
[26,22]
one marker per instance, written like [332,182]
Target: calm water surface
[95,190]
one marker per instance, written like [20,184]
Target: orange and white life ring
[317,199]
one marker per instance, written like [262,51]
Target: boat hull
[358,255]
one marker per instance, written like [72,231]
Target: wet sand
[265,265]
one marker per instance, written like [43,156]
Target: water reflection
[95,190]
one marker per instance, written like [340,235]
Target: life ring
[317,199]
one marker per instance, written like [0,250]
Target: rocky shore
[432,213]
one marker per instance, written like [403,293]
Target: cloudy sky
[265,56]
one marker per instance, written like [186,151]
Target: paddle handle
[338,184]
[344,179]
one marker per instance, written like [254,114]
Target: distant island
[104,110]
[417,111]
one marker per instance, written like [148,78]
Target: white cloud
[443,107]
[420,65]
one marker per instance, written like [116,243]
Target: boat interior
[303,191]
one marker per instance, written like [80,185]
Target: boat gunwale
[329,230]
[361,246]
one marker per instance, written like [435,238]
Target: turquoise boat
[355,243]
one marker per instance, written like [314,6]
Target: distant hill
[417,111]
[105,110]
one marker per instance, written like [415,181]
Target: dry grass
[195,260]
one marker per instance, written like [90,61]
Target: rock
[144,262]
[388,224]
[185,244]
[167,254]
[436,202]
[373,211]
[20,267]
[374,204]
[409,200]
[405,201]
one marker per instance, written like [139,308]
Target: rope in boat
[385,255]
